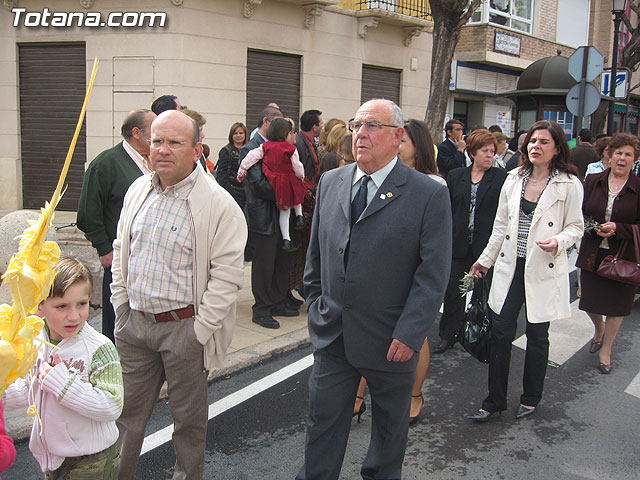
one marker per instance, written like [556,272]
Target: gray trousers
[332,390]
[150,353]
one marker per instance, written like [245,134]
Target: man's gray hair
[133,119]
[397,118]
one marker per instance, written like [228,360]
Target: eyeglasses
[370,126]
[172,144]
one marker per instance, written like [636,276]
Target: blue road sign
[621,84]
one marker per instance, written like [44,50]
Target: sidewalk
[251,343]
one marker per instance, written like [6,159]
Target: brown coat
[626,212]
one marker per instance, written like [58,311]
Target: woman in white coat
[539,216]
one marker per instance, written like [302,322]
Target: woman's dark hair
[560,161]
[279,128]
[478,139]
[233,129]
[419,134]
[328,161]
[601,144]
[623,140]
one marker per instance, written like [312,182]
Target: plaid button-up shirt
[161,259]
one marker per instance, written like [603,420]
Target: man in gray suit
[377,268]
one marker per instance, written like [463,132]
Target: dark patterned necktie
[359,202]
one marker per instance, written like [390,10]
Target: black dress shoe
[285,312]
[266,322]
[288,246]
[299,222]
[443,346]
[292,302]
[482,416]
[524,411]
[414,420]
[361,410]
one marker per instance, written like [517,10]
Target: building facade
[224,58]
[502,38]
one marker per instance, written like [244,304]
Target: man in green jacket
[105,182]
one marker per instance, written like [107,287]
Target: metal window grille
[412,8]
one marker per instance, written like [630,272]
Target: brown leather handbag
[614,267]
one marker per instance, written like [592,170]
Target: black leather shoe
[285,312]
[292,302]
[482,416]
[288,246]
[524,411]
[443,346]
[361,410]
[299,222]
[266,322]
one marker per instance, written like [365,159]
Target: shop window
[564,119]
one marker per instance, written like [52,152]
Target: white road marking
[566,336]
[164,435]
[634,387]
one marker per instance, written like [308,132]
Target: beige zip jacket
[218,247]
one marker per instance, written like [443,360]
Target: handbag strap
[484,289]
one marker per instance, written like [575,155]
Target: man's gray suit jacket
[398,269]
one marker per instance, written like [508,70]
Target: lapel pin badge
[382,197]
[389,194]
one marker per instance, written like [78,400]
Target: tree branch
[627,22]
[473,6]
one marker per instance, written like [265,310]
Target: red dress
[276,165]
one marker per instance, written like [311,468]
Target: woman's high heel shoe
[413,420]
[482,416]
[361,410]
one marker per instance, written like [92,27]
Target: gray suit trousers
[332,389]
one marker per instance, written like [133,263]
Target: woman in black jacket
[229,160]
[474,192]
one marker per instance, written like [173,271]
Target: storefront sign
[506,43]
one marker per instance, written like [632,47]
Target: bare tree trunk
[448,18]
[599,117]
[445,39]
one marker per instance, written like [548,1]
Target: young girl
[285,172]
[76,388]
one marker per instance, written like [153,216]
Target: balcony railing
[412,8]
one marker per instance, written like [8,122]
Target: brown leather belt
[179,314]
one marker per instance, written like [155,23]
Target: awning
[623,108]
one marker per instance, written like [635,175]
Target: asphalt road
[586,426]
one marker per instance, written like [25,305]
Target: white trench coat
[546,275]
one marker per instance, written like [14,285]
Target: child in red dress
[285,172]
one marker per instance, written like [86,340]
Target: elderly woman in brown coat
[611,198]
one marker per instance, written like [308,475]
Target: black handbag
[616,268]
[475,334]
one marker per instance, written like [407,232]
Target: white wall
[201,56]
[573,22]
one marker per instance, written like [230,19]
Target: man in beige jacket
[177,269]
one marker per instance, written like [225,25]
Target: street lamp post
[618,7]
